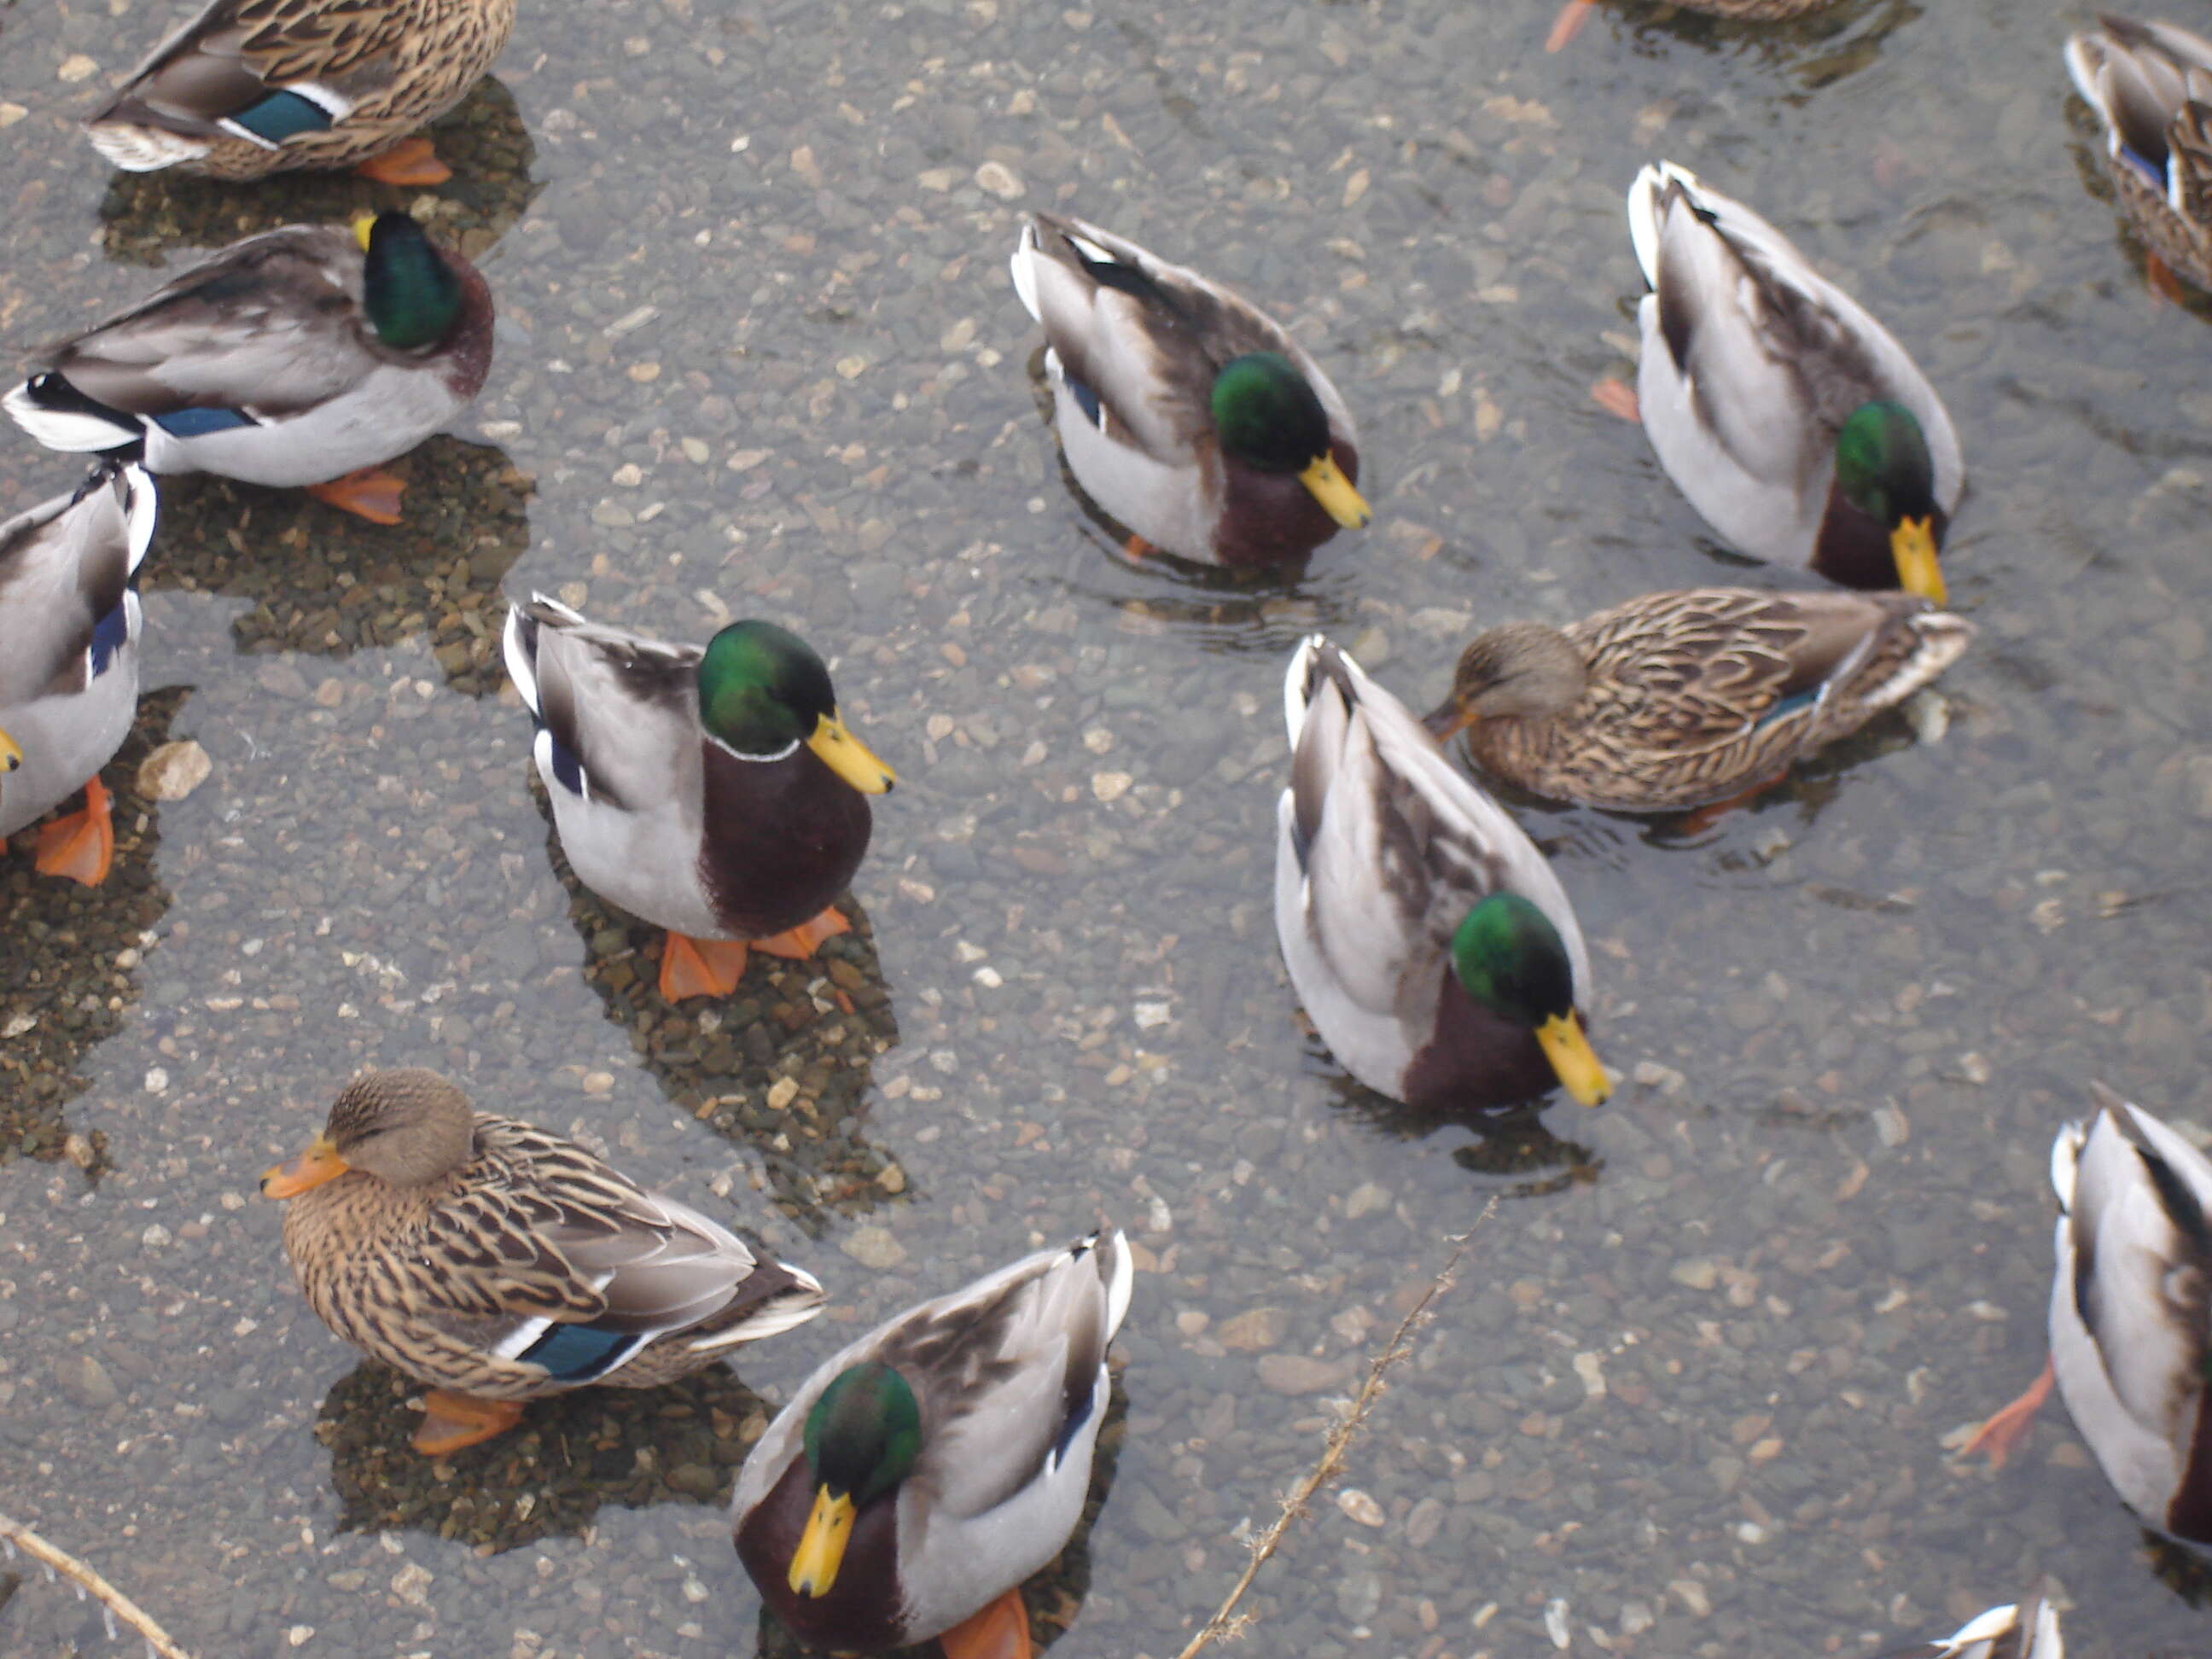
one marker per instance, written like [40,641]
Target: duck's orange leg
[450,1421]
[1000,1631]
[1705,817]
[1136,547]
[1568,23]
[700,966]
[797,944]
[2163,282]
[2001,1436]
[409,161]
[372,493]
[1618,397]
[82,845]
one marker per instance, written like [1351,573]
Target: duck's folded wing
[2143,1265]
[1009,1371]
[621,711]
[269,328]
[1142,337]
[65,570]
[236,71]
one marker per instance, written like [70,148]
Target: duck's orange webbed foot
[2163,282]
[82,845]
[450,1421]
[1618,397]
[2000,1438]
[1568,23]
[1000,1631]
[372,493]
[409,161]
[700,966]
[797,944]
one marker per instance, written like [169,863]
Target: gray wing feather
[271,325]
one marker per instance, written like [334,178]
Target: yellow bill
[318,1163]
[849,758]
[361,226]
[11,753]
[1912,544]
[1335,494]
[821,1549]
[1580,1073]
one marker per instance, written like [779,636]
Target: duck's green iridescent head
[1884,469]
[762,692]
[1268,417]
[412,295]
[1511,959]
[861,1438]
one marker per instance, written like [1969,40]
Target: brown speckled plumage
[401,64]
[1754,11]
[434,1275]
[2150,86]
[1679,699]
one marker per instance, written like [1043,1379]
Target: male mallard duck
[1576,12]
[254,87]
[1790,418]
[2130,1351]
[499,1263]
[924,1471]
[715,793]
[1427,937]
[2029,1630]
[2150,85]
[305,356]
[1186,412]
[70,623]
[1685,699]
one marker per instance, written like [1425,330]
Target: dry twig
[23,1538]
[1226,1620]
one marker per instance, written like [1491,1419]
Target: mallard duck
[1685,699]
[1576,12]
[499,1263]
[924,1471]
[305,356]
[2029,1630]
[70,623]
[2130,1351]
[2150,86]
[1790,418]
[1427,937]
[254,87]
[715,793]
[1186,412]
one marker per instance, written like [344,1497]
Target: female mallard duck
[1430,941]
[1790,418]
[1680,700]
[2150,85]
[924,1471]
[715,793]
[70,623]
[1576,12]
[499,1263]
[305,356]
[2129,1347]
[1187,413]
[254,87]
[2029,1630]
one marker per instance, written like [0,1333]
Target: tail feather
[60,416]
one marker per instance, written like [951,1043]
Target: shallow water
[760,357]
